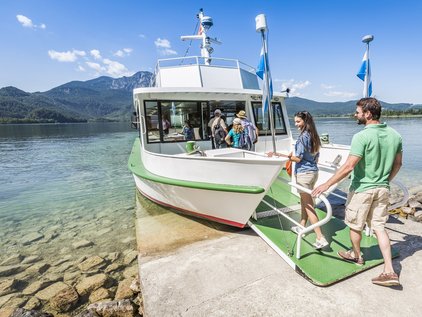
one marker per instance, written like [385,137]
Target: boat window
[172,121]
[228,108]
[264,127]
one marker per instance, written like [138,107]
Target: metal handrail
[305,230]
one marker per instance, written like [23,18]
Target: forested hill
[110,99]
[295,104]
[99,99]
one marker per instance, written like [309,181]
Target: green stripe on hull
[136,167]
[320,267]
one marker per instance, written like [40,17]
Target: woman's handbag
[289,167]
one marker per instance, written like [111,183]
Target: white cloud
[295,86]
[95,66]
[81,68]
[164,47]
[69,56]
[27,22]
[123,52]
[162,43]
[142,36]
[115,69]
[95,53]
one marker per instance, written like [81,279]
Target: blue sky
[315,47]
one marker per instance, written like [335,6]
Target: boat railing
[304,230]
[202,61]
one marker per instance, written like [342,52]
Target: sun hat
[237,121]
[217,111]
[241,114]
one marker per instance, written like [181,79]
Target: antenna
[205,23]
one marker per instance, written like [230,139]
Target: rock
[121,308]
[418,216]
[10,270]
[62,260]
[38,268]
[123,289]
[53,277]
[130,257]
[12,260]
[8,286]
[71,277]
[64,300]
[91,283]
[103,231]
[51,291]
[135,286]
[31,259]
[6,312]
[413,203]
[33,303]
[131,271]
[113,256]
[5,299]
[113,267]
[31,237]
[17,302]
[20,312]
[408,210]
[82,244]
[418,197]
[36,286]
[415,190]
[88,313]
[93,263]
[100,294]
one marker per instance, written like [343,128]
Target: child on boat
[236,136]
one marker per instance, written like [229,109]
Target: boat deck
[323,267]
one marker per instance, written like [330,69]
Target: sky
[315,47]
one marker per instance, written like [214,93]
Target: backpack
[243,141]
[219,133]
[250,134]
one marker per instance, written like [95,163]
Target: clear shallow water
[341,131]
[74,170]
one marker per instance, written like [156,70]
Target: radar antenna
[205,23]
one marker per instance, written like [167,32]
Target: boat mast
[205,23]
[261,26]
[367,39]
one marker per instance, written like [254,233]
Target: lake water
[68,182]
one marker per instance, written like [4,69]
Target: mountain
[295,104]
[110,99]
[102,98]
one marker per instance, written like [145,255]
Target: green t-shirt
[377,146]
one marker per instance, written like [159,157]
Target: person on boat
[166,126]
[251,131]
[306,156]
[188,131]
[375,159]
[218,130]
[236,137]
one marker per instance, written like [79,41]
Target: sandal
[347,256]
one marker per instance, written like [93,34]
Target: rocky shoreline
[78,264]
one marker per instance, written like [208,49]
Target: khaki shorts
[306,180]
[370,206]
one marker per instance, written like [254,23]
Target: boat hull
[230,208]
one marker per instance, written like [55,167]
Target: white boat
[226,184]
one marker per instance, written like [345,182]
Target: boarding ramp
[280,210]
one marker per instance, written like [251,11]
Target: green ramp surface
[321,267]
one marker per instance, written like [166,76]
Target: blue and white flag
[263,72]
[364,74]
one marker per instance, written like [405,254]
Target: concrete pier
[198,268]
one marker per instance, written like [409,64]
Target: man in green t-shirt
[375,158]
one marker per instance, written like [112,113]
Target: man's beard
[361,121]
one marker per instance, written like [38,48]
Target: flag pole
[261,26]
[367,39]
